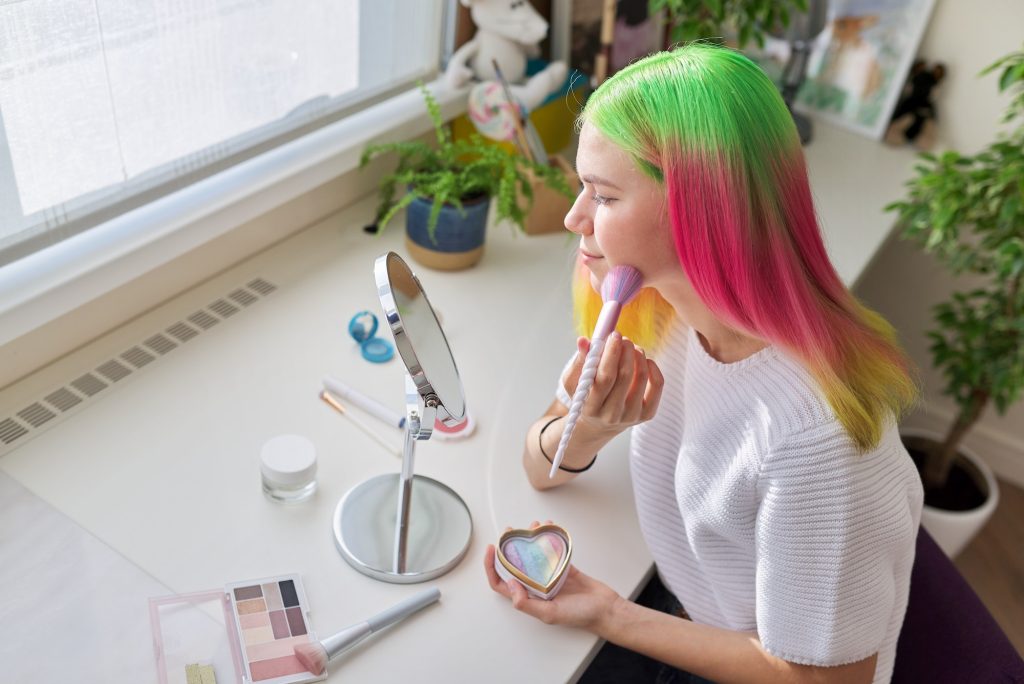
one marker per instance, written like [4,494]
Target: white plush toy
[508,31]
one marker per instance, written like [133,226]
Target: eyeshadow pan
[257,635]
[275,667]
[295,621]
[280,624]
[274,649]
[272,593]
[254,620]
[243,593]
[252,606]
[288,593]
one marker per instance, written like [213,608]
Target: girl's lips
[587,256]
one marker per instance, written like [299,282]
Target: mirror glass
[419,338]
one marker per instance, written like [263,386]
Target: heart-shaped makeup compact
[537,558]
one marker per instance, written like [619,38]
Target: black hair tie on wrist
[540,443]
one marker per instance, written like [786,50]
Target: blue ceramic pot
[458,240]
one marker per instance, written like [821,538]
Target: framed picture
[858,64]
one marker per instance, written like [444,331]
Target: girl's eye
[600,200]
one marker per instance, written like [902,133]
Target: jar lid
[288,460]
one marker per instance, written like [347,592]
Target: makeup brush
[525,130]
[315,654]
[618,289]
[333,402]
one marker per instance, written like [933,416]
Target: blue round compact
[362,327]
[377,350]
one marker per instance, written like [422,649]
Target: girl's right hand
[626,389]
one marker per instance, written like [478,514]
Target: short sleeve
[560,393]
[834,545]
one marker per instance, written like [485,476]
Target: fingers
[542,610]
[497,584]
[624,370]
[652,396]
[634,401]
[572,375]
[582,347]
[607,374]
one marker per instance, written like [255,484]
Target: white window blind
[107,104]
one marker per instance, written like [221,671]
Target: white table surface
[154,486]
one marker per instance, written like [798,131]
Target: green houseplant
[968,211]
[707,19]
[450,177]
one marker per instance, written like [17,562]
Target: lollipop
[491,112]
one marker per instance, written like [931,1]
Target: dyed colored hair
[710,126]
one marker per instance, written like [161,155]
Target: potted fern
[448,189]
[969,212]
[690,20]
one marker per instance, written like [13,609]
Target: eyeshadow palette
[537,558]
[271,622]
[246,633]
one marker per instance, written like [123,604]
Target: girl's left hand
[582,602]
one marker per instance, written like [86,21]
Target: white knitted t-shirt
[761,515]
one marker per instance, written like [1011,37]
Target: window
[108,104]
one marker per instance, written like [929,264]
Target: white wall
[902,283]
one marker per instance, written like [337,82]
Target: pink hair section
[757,259]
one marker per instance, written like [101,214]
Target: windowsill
[58,299]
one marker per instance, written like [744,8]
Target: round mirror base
[439,533]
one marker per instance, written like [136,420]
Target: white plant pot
[952,530]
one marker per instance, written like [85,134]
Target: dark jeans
[616,665]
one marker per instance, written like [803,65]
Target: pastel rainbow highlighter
[537,558]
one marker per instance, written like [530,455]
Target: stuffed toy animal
[913,120]
[508,31]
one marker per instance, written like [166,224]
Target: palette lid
[195,628]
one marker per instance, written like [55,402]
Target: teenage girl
[771,485]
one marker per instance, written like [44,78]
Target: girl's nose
[578,219]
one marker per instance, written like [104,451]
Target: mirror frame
[404,344]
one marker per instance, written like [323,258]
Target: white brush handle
[368,404]
[605,325]
[350,636]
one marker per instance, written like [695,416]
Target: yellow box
[547,215]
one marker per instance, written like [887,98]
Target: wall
[902,283]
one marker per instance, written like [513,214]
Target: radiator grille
[58,403]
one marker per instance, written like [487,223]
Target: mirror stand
[404,528]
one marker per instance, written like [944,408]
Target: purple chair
[948,635]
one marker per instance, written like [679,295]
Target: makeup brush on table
[314,655]
[333,402]
[618,289]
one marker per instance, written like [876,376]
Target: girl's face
[620,215]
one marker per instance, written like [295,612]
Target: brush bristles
[313,656]
[621,284]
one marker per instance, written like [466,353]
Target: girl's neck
[722,343]
[730,346]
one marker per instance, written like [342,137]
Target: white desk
[153,487]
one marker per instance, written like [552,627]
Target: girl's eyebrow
[597,180]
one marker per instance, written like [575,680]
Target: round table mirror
[401,527]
